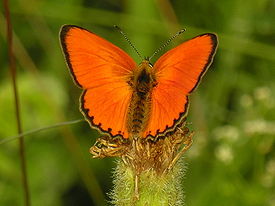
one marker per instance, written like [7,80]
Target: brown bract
[144,154]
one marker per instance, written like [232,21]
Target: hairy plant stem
[153,189]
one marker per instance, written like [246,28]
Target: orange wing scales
[105,112]
[168,105]
[102,70]
[178,73]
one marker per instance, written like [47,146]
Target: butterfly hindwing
[178,73]
[102,70]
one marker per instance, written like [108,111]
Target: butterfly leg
[187,144]
[107,147]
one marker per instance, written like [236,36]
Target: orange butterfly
[124,99]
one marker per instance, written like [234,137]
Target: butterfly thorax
[142,83]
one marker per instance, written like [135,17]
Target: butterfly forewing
[178,73]
[102,70]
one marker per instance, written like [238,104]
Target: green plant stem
[17,108]
[153,189]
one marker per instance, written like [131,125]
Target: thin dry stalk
[12,67]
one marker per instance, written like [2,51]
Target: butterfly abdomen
[140,105]
[139,113]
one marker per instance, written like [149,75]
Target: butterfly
[121,98]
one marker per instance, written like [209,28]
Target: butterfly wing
[102,70]
[178,73]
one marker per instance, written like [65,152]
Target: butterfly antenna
[128,40]
[167,43]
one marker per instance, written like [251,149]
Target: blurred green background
[232,160]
